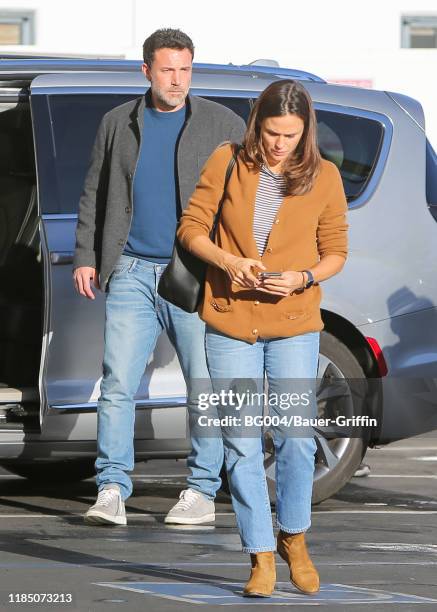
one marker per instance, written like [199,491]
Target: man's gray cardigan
[105,207]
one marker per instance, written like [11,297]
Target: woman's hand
[282,285]
[242,271]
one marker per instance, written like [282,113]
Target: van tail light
[379,356]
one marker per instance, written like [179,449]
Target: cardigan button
[256,302]
[269,249]
[254,332]
[277,221]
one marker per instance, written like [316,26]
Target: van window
[63,152]
[17,174]
[352,143]
[240,106]
[431,175]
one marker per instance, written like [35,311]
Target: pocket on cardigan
[292,315]
[220,304]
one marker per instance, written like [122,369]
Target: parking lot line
[147,477]
[158,514]
[216,592]
[416,476]
[155,566]
[405,448]
[373,512]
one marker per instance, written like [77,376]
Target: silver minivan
[380,312]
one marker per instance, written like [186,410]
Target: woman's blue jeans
[289,364]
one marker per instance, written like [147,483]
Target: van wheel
[53,471]
[342,389]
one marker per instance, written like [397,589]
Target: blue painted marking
[230,593]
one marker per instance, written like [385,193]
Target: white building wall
[339,39]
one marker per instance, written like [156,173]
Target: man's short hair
[166,38]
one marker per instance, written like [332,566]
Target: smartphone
[263,275]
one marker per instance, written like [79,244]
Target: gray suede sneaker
[108,509]
[193,508]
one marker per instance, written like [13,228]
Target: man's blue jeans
[135,316]
[290,364]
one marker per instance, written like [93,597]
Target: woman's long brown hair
[283,98]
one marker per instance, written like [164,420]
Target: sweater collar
[190,101]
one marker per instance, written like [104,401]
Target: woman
[284,212]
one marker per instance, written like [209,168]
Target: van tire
[330,483]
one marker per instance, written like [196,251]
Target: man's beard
[166,99]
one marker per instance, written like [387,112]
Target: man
[144,166]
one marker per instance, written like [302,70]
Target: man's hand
[82,278]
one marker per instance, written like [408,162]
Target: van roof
[111,74]
[25,68]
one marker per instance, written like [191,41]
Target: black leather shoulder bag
[183,280]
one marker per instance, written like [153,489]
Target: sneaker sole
[206,518]
[99,518]
[361,473]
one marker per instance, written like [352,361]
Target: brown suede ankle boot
[262,575]
[303,574]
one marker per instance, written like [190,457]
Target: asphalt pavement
[374,543]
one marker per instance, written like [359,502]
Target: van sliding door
[65,120]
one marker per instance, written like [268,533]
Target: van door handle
[61,258]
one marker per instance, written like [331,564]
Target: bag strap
[236,148]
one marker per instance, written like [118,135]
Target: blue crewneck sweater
[155,200]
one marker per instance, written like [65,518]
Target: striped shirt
[269,196]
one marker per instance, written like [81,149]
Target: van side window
[240,106]
[17,174]
[66,129]
[352,143]
[431,175]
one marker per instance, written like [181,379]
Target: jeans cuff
[272,548]
[196,488]
[295,530]
[122,490]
